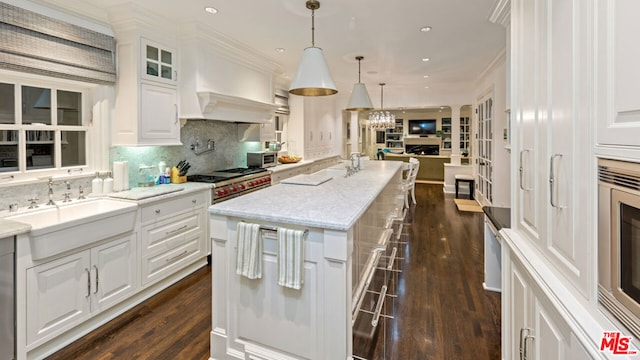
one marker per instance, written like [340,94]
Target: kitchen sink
[63,227]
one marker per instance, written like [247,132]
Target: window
[43,128]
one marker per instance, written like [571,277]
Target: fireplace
[422,149]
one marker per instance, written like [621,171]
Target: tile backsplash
[228,153]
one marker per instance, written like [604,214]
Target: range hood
[215,106]
[224,81]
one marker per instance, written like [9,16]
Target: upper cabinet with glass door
[146,110]
[158,62]
[41,128]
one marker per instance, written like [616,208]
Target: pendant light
[313,77]
[381,119]
[360,99]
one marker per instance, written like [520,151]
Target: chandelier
[382,119]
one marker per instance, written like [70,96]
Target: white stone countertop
[10,228]
[145,195]
[284,167]
[335,204]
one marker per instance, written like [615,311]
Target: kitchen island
[348,221]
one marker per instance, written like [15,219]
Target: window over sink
[44,127]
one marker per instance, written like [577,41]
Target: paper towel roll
[118,175]
[125,176]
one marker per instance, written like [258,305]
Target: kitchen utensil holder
[176,178]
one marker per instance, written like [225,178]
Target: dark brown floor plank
[442,311]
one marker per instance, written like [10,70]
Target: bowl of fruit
[288,159]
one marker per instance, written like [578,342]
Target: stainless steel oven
[231,183]
[619,241]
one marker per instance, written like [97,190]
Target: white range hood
[221,80]
[214,106]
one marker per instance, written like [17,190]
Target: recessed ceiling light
[426,76]
[426,59]
[426,87]
[211,10]
[280,50]
[425,28]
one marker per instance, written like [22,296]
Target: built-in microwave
[262,159]
[619,241]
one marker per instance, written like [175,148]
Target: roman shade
[35,43]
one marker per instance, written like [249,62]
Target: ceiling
[461,44]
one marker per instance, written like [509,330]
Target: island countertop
[335,204]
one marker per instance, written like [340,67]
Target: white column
[455,134]
[355,135]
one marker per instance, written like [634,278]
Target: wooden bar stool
[467,179]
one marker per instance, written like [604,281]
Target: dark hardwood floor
[442,311]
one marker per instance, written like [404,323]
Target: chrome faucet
[51,202]
[33,203]
[355,161]
[67,195]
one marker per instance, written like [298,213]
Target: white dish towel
[249,260]
[291,258]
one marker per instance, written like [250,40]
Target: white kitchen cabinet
[158,62]
[158,114]
[174,235]
[552,138]
[146,103]
[65,292]
[618,77]
[533,329]
[313,121]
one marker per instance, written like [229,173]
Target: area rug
[468,205]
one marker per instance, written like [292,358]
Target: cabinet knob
[157,211]
[194,201]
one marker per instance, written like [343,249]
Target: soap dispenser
[96,185]
[107,184]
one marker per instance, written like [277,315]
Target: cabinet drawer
[163,264]
[166,208]
[163,236]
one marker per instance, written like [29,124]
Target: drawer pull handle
[521,170]
[97,279]
[523,342]
[392,258]
[178,256]
[552,182]
[376,315]
[88,282]
[176,230]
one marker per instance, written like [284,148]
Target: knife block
[176,178]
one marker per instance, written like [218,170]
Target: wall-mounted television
[422,127]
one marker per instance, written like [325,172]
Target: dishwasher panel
[7,298]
